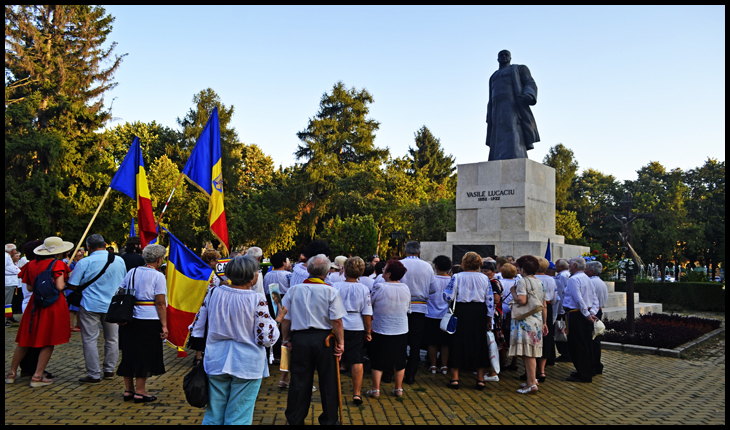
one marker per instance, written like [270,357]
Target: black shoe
[541,378]
[89,379]
[574,379]
[563,359]
[410,381]
[144,399]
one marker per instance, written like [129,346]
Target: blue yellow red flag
[204,170]
[131,180]
[187,282]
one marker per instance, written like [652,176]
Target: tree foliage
[562,160]
[355,235]
[428,157]
[56,73]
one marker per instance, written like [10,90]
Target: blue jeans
[231,400]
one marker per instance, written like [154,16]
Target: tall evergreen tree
[428,157]
[56,74]
[337,146]
[562,160]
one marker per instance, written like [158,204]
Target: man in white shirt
[315,309]
[11,282]
[577,302]
[561,281]
[418,278]
[300,272]
[594,270]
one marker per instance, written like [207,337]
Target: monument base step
[619,312]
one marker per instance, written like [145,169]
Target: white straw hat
[53,245]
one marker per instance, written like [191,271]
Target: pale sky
[619,85]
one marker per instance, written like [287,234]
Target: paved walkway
[635,389]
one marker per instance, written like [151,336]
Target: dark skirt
[141,347]
[387,352]
[433,335]
[469,348]
[548,342]
[354,347]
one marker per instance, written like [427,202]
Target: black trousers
[416,322]
[563,348]
[308,354]
[580,345]
[597,365]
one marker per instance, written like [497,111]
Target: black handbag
[195,383]
[74,298]
[121,309]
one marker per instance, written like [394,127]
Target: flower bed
[660,330]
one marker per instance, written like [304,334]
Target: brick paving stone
[635,389]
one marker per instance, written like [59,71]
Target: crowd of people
[311,315]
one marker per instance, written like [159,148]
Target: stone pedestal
[507,205]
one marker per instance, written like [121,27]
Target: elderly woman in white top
[356,298]
[469,347]
[139,340]
[239,329]
[391,305]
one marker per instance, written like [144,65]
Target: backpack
[44,291]
[44,288]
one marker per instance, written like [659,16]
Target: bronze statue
[511,128]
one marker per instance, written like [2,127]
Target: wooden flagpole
[78,245]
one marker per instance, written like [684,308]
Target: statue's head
[504,57]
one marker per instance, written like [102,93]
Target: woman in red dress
[45,327]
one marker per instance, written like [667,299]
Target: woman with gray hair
[239,329]
[140,341]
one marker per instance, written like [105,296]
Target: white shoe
[314,388]
[494,378]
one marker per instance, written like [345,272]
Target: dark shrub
[660,330]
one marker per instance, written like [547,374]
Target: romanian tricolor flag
[187,282]
[131,180]
[204,170]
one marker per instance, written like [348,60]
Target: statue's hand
[528,99]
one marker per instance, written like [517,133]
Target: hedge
[699,296]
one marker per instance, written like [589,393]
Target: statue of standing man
[511,128]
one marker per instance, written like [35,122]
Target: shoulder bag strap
[453,303]
[109,261]
[131,281]
[208,317]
